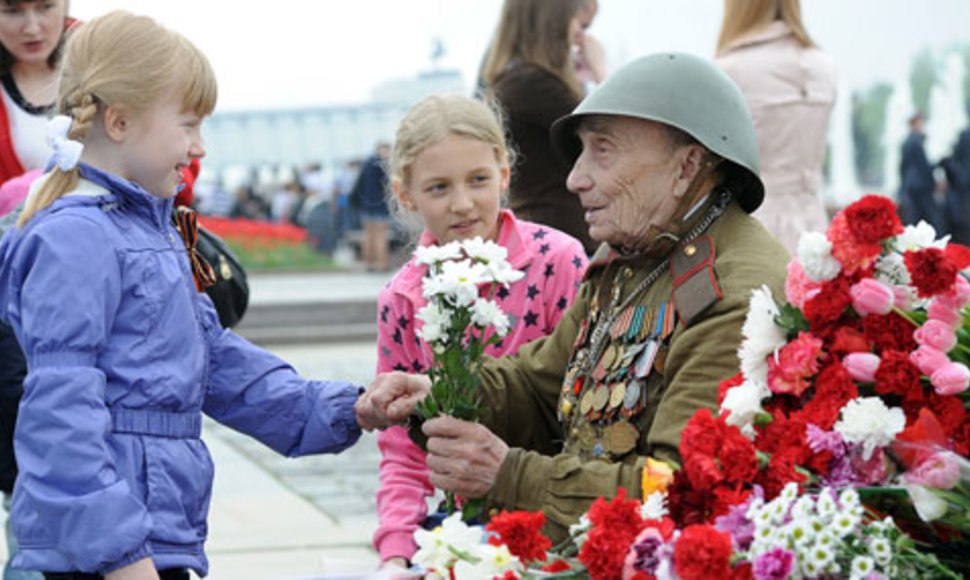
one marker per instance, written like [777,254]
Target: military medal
[617,394]
[641,367]
[586,403]
[621,437]
[660,361]
[632,395]
[601,396]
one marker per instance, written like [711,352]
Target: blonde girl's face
[456,186]
[31,30]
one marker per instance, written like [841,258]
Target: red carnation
[703,552]
[519,531]
[833,389]
[958,254]
[557,566]
[931,270]
[873,219]
[688,505]
[780,471]
[847,339]
[889,332]
[782,435]
[737,457]
[826,307]
[897,375]
[726,497]
[850,252]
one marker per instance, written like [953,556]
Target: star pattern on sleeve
[384,313]
[539,234]
[563,303]
[398,336]
[550,271]
[416,366]
[544,249]
[533,291]
[502,293]
[403,321]
[578,262]
[401,367]
[531,319]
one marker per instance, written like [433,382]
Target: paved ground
[312,517]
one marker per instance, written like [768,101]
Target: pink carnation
[798,286]
[936,334]
[862,366]
[959,295]
[951,378]
[796,362]
[940,310]
[938,471]
[928,359]
[870,296]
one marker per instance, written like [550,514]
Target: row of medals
[614,392]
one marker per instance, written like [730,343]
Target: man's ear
[117,122]
[690,160]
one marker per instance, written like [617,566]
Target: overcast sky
[309,52]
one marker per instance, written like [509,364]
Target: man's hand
[390,399]
[463,457]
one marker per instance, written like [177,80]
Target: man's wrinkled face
[628,178]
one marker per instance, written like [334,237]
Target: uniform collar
[774,31]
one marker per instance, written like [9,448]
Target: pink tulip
[904,297]
[959,295]
[950,379]
[937,335]
[862,366]
[939,310]
[870,296]
[938,471]
[928,359]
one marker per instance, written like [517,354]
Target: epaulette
[604,255]
[695,283]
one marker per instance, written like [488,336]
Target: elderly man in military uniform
[665,162]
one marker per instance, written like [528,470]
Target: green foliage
[868,128]
[923,75]
[792,320]
[280,257]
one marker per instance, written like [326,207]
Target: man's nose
[578,179]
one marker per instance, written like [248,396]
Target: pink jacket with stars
[554,264]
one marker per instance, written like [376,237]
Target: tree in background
[868,125]
[923,75]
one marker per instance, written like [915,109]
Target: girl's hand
[143,569]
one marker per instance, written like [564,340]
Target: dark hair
[7,59]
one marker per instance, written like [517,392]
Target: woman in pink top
[790,85]
[450,167]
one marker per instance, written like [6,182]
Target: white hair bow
[67,152]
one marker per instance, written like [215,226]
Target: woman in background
[531,70]
[790,85]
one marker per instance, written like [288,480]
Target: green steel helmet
[686,92]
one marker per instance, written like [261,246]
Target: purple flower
[736,522]
[774,564]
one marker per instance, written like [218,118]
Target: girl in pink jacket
[450,168]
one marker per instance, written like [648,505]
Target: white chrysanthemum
[778,510]
[754,508]
[484,251]
[867,420]
[743,402]
[436,323]
[862,566]
[501,272]
[849,498]
[929,506]
[815,254]
[804,507]
[654,507]
[800,531]
[432,255]
[458,281]
[789,493]
[844,523]
[433,549]
[487,313]
[825,504]
[919,237]
[881,550]
[760,335]
[491,562]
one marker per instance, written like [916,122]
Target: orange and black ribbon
[186,222]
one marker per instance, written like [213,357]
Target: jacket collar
[775,30]
[129,194]
[509,236]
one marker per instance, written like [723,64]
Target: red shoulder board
[695,284]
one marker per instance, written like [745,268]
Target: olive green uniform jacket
[562,453]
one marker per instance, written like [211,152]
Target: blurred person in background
[531,71]
[957,169]
[790,85]
[369,194]
[31,37]
[917,201]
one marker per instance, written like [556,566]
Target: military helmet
[686,92]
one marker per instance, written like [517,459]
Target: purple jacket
[124,356]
